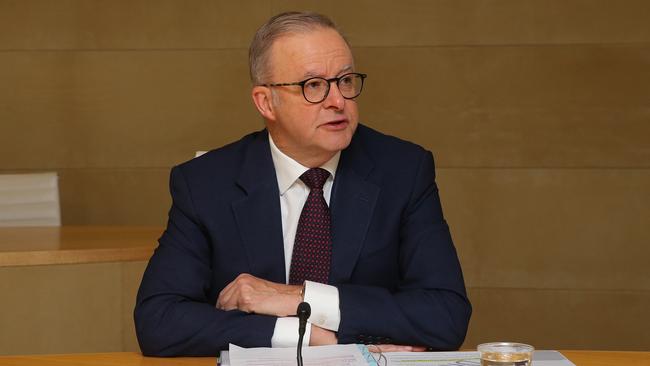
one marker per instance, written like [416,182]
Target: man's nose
[334,98]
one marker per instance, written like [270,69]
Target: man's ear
[263,102]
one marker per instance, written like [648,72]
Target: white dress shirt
[324,299]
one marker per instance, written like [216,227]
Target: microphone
[304,311]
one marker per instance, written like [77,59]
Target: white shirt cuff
[324,302]
[285,333]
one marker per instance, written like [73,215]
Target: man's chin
[337,145]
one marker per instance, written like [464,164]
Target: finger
[239,295]
[230,304]
[232,284]
[229,299]
[227,296]
[222,298]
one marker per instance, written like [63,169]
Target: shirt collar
[288,170]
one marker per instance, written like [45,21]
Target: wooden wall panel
[60,309]
[579,319]
[129,24]
[131,276]
[117,196]
[108,109]
[387,23]
[550,228]
[191,24]
[120,108]
[514,106]
[524,137]
[69,308]
[528,76]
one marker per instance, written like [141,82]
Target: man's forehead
[312,53]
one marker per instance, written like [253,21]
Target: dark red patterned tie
[312,249]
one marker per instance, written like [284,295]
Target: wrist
[293,297]
[322,337]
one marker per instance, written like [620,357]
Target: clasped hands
[255,295]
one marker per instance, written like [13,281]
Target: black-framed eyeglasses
[316,89]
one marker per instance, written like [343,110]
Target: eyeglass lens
[316,90]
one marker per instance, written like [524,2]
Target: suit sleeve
[173,314]
[429,306]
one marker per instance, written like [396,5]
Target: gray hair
[281,25]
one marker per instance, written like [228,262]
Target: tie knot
[315,178]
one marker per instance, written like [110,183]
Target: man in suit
[315,207]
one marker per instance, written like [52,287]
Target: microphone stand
[304,311]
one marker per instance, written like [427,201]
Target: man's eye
[314,84]
[347,80]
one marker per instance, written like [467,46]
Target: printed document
[340,355]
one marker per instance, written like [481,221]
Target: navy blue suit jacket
[393,260]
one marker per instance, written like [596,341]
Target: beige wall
[538,114]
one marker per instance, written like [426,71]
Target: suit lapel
[258,214]
[352,203]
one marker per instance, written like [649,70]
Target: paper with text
[339,355]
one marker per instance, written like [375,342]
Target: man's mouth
[337,124]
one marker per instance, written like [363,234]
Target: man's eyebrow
[346,69]
[312,74]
